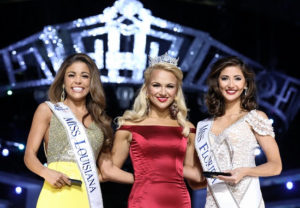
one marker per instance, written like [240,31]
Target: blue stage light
[18,190]
[289,185]
[257,151]
[5,152]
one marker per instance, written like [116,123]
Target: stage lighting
[9,92]
[18,190]
[289,185]
[257,151]
[5,152]
[21,146]
[124,95]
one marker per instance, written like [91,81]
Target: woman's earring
[173,110]
[245,90]
[63,94]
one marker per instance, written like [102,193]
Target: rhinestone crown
[165,58]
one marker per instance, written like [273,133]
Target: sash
[221,193]
[82,150]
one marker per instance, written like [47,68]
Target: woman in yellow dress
[73,145]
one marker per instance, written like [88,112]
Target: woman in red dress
[158,138]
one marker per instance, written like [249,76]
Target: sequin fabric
[234,148]
[59,148]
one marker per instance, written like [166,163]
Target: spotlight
[124,95]
[272,121]
[9,92]
[257,151]
[18,190]
[289,185]
[21,146]
[5,152]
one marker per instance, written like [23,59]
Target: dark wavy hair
[214,99]
[95,100]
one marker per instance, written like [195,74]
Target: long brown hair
[214,98]
[95,100]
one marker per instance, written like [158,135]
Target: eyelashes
[168,86]
[227,78]
[85,76]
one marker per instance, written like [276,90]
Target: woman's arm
[192,170]
[272,167]
[37,132]
[110,163]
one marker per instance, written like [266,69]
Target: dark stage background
[265,31]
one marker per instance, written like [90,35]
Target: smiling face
[231,83]
[77,81]
[162,89]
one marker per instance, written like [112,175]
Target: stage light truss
[120,41]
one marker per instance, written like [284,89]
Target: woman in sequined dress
[158,138]
[236,130]
[77,86]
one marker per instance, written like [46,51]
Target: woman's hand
[236,175]
[56,179]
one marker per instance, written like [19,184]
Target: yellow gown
[60,157]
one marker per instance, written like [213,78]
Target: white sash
[82,150]
[219,189]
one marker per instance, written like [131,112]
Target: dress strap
[193,130]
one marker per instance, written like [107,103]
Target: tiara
[165,58]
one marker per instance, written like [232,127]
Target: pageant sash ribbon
[222,195]
[220,192]
[82,150]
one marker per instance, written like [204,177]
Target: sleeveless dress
[234,148]
[157,154]
[60,157]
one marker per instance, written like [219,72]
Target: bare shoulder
[43,107]
[130,123]
[43,110]
[122,135]
[262,114]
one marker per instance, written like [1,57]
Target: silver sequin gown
[234,148]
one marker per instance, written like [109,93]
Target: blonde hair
[139,110]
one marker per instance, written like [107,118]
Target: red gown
[157,154]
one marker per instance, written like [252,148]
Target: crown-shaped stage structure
[121,40]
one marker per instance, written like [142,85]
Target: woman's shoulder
[258,114]
[128,125]
[43,113]
[260,122]
[44,108]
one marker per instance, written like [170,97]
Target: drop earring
[174,110]
[245,90]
